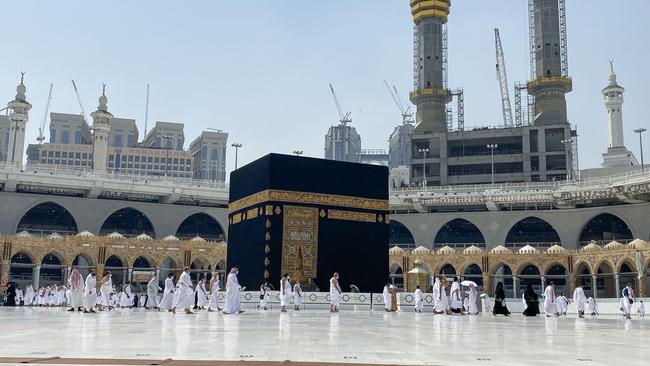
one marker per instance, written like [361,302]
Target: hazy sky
[260,69]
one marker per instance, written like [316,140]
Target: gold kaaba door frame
[300,242]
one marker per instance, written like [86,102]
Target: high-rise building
[399,146]
[168,135]
[124,133]
[209,154]
[617,154]
[343,143]
[68,128]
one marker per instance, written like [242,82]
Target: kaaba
[310,218]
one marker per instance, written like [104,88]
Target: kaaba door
[300,242]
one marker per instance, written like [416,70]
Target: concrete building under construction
[534,148]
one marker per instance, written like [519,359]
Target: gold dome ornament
[268,223]
[267,249]
[267,261]
[322,213]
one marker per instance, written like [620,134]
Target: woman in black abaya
[532,302]
[500,301]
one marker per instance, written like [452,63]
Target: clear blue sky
[260,69]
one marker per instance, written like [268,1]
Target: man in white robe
[388,300]
[580,300]
[167,301]
[201,294]
[127,297]
[20,297]
[264,295]
[335,293]
[285,292]
[90,291]
[562,304]
[472,308]
[152,293]
[454,293]
[419,299]
[76,291]
[297,296]
[550,305]
[233,291]
[442,306]
[627,300]
[29,294]
[185,298]
[214,293]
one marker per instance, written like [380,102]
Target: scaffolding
[445,56]
[416,58]
[531,39]
[564,49]
[459,98]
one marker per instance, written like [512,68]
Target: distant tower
[617,154]
[551,80]
[18,117]
[101,128]
[343,143]
[430,94]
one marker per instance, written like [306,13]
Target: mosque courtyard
[366,337]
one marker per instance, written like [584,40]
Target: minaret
[551,80]
[617,154]
[101,128]
[18,117]
[430,95]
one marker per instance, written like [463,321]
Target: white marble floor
[315,335]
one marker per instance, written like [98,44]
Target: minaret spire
[18,117]
[101,129]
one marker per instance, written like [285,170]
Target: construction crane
[83,110]
[503,81]
[344,118]
[407,116]
[41,129]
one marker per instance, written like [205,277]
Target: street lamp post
[297,152]
[567,164]
[167,147]
[492,147]
[640,131]
[424,152]
[236,146]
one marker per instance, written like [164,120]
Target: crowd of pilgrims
[93,294]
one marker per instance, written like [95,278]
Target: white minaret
[617,154]
[101,128]
[18,117]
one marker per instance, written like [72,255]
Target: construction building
[539,148]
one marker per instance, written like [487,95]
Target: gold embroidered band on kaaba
[308,198]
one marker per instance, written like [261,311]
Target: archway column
[515,286]
[617,286]
[594,286]
[4,273]
[543,279]
[487,284]
[36,276]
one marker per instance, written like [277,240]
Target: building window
[65,137]
[78,155]
[130,140]
[118,140]
[53,135]
[77,137]
[57,154]
[213,155]
[179,145]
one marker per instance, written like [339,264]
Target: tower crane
[503,80]
[83,110]
[41,128]
[407,115]
[344,118]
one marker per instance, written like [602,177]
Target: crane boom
[41,129]
[344,118]
[405,112]
[83,110]
[503,81]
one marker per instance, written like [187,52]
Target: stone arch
[631,267]
[46,218]
[396,275]
[604,227]
[127,221]
[533,230]
[221,265]
[558,273]
[84,262]
[399,234]
[199,267]
[473,272]
[459,231]
[200,224]
[144,262]
[529,274]
[21,267]
[52,269]
[116,264]
[447,269]
[394,267]
[605,280]
[502,272]
[168,265]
